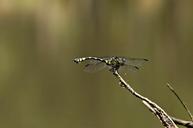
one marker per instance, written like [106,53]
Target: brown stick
[165,119]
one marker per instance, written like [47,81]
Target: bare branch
[165,119]
[181,101]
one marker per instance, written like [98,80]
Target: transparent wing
[94,67]
[135,62]
[92,64]
[125,68]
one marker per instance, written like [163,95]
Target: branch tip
[181,101]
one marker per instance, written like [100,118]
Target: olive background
[41,87]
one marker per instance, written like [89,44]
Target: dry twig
[181,101]
[165,119]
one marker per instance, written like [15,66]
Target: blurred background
[41,87]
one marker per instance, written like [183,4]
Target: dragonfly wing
[94,67]
[135,62]
[125,68]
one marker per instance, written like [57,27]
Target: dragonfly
[112,63]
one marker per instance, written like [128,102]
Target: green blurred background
[41,87]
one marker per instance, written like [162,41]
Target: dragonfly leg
[112,69]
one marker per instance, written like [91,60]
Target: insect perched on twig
[112,63]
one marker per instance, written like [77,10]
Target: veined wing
[125,68]
[92,64]
[135,62]
[94,67]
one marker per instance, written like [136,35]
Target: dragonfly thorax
[115,62]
